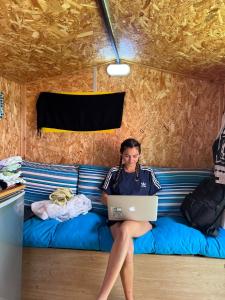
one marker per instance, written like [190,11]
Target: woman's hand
[104,198]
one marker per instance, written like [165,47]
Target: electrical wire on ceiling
[104,7]
[117,69]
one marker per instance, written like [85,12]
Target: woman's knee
[121,231]
[124,229]
[134,228]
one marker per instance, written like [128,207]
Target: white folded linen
[10,161]
[12,179]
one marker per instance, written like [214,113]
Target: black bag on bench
[203,207]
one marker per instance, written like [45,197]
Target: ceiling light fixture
[118,69]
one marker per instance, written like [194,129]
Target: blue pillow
[216,245]
[89,183]
[176,184]
[173,236]
[38,233]
[42,179]
[78,233]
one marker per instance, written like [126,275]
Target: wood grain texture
[59,274]
[176,119]
[40,38]
[184,37]
[43,38]
[11,124]
[11,190]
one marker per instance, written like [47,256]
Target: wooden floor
[57,274]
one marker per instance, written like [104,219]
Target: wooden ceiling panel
[186,36]
[44,38]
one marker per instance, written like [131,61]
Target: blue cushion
[89,183]
[42,179]
[78,233]
[38,233]
[216,246]
[176,184]
[172,235]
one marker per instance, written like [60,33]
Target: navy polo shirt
[147,184]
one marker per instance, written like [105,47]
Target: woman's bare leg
[115,262]
[127,273]
[127,230]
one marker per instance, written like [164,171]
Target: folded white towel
[77,205]
[12,179]
[10,161]
[10,176]
[10,168]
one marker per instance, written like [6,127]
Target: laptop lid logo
[132,208]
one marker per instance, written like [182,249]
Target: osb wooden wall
[175,118]
[11,125]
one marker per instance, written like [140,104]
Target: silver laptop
[138,208]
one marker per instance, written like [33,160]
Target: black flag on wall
[82,112]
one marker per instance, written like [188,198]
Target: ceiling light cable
[106,17]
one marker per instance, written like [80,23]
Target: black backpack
[203,207]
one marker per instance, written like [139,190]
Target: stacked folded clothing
[10,173]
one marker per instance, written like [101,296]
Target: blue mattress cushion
[38,233]
[78,233]
[172,235]
[89,232]
[216,246]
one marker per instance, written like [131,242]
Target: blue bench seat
[89,232]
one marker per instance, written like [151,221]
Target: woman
[130,178]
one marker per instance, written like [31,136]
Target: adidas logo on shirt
[143,184]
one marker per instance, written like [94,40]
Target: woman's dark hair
[128,143]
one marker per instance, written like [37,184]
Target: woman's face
[130,156]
